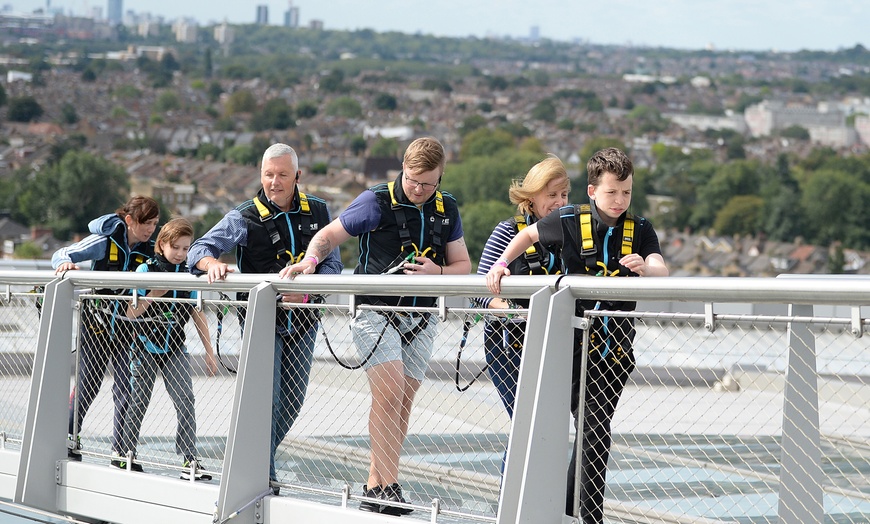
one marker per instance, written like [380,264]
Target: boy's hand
[493,277]
[635,263]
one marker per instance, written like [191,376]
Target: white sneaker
[193,465]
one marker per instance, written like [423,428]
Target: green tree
[740,216]
[333,82]
[241,155]
[836,259]
[275,114]
[470,123]
[306,109]
[478,221]
[796,132]
[385,147]
[487,177]
[736,178]
[27,251]
[385,102]
[72,142]
[545,110]
[68,114]
[167,101]
[344,106]
[835,204]
[241,101]
[358,145]
[23,109]
[207,67]
[62,195]
[485,142]
[214,91]
[2,96]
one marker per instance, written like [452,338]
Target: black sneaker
[121,462]
[393,493]
[375,493]
[192,465]
[74,448]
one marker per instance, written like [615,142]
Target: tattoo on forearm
[321,247]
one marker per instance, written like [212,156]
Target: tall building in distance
[115,11]
[291,16]
[262,14]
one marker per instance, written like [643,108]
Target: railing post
[800,488]
[45,430]
[245,474]
[534,485]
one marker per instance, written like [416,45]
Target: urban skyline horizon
[738,25]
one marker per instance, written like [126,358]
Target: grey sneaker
[121,462]
[192,467]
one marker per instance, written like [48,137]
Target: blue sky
[686,24]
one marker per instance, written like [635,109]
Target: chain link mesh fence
[696,434]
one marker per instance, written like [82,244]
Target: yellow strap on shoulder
[587,242]
[627,235]
[303,203]
[439,198]
[113,251]
[391,186]
[262,209]
[521,224]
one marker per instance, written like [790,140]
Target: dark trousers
[503,347]
[97,349]
[610,361]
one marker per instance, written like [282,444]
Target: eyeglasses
[426,187]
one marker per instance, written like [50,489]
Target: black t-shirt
[562,228]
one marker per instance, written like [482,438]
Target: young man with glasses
[410,225]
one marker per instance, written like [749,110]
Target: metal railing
[747,405]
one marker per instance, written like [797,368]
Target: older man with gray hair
[279,219]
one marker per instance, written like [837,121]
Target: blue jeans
[293,354]
[503,346]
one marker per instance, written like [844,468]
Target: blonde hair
[535,181]
[424,154]
[172,231]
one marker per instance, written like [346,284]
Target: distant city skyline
[825,25]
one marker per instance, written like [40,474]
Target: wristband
[305,298]
[501,262]
[314,258]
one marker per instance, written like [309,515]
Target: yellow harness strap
[439,198]
[627,235]
[587,242]
[521,224]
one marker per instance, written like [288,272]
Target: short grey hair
[279,150]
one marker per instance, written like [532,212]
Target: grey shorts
[415,354]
